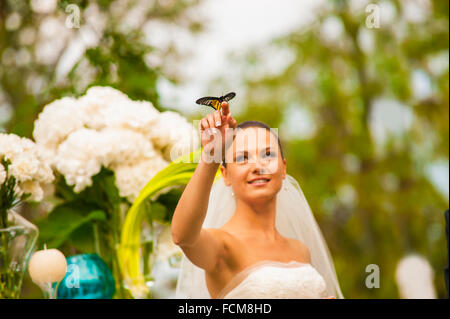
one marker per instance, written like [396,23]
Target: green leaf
[102,194]
[83,239]
[107,183]
[63,190]
[63,221]
[164,207]
[157,212]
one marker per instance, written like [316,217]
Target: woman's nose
[264,165]
[259,166]
[259,170]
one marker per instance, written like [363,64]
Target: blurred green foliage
[374,202]
[28,82]
[34,50]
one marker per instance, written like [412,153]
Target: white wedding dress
[269,279]
[272,280]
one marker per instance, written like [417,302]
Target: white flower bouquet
[104,148]
[104,128]
[23,176]
[23,173]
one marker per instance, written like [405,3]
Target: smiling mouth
[262,181]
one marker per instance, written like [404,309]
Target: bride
[250,234]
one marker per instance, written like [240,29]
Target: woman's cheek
[273,167]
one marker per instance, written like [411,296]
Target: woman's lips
[259,184]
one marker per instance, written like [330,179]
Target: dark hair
[248,124]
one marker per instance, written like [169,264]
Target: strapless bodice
[271,279]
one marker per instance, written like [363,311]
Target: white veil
[294,219]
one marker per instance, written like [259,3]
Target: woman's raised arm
[203,247]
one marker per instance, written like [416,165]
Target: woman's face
[254,155]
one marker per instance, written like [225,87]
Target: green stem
[7,286]
[97,239]
[115,226]
[4,282]
[5,262]
[4,219]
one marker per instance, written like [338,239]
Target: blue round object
[87,277]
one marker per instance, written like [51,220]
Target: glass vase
[87,277]
[17,242]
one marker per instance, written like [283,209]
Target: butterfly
[215,102]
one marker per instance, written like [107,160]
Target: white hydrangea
[80,157]
[105,128]
[57,121]
[132,177]
[123,146]
[27,166]
[33,188]
[107,107]
[24,167]
[174,135]
[13,145]
[97,103]
[186,144]
[139,116]
[84,153]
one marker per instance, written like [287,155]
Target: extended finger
[231,121]
[225,108]
[217,118]
[204,124]
[211,121]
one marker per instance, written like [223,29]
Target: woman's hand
[202,246]
[213,124]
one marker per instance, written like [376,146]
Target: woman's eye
[240,158]
[270,154]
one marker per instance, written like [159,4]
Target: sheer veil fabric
[294,219]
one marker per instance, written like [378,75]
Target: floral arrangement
[23,173]
[104,128]
[178,172]
[108,165]
[104,148]
[23,176]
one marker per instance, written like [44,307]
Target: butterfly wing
[211,101]
[228,97]
[215,102]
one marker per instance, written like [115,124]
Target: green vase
[17,242]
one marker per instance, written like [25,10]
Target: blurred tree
[55,48]
[363,113]
[44,56]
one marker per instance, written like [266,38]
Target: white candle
[47,266]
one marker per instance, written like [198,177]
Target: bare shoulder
[300,248]
[227,243]
[209,250]
[223,237]
[218,233]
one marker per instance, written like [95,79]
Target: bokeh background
[361,102]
